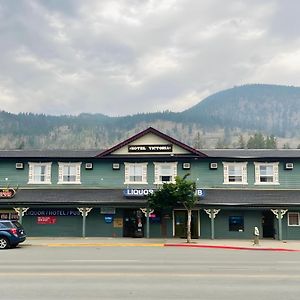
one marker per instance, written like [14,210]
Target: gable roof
[155,132]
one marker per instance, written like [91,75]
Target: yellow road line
[104,245]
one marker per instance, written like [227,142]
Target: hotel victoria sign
[150,148]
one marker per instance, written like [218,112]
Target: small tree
[172,195]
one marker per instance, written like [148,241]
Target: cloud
[124,57]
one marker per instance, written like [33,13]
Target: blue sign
[200,193]
[137,192]
[108,219]
[146,192]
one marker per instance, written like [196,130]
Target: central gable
[150,142]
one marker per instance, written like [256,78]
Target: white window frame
[61,175]
[128,170]
[32,176]
[293,213]
[157,171]
[243,172]
[258,175]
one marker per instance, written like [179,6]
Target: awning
[251,198]
[69,197]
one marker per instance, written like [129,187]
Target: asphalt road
[35,272]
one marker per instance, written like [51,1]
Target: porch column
[84,212]
[279,213]
[21,211]
[146,211]
[212,213]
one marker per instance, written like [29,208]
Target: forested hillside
[226,119]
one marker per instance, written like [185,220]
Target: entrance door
[180,219]
[268,224]
[133,221]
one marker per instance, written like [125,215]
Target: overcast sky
[125,57]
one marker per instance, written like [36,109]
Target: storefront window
[236,223]
[293,219]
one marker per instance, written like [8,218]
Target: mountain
[224,116]
[269,108]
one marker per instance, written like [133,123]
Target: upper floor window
[39,173]
[69,172]
[266,173]
[235,172]
[165,172]
[135,173]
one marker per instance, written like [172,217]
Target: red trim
[156,132]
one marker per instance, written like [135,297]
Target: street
[41,272]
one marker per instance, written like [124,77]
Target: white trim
[275,175]
[226,175]
[157,171]
[61,175]
[144,173]
[31,175]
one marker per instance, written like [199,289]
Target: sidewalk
[271,245]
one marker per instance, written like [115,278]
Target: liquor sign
[150,148]
[7,193]
[46,220]
[200,193]
[52,212]
[137,192]
[128,193]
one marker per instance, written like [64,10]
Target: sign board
[46,220]
[150,148]
[108,210]
[108,219]
[137,192]
[7,193]
[53,212]
[128,193]
[118,223]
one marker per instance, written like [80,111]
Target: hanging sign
[7,193]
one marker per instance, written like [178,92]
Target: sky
[122,57]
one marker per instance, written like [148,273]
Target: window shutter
[48,173]
[144,173]
[225,170]
[276,173]
[244,173]
[126,173]
[78,168]
[60,172]
[257,173]
[156,173]
[174,171]
[30,173]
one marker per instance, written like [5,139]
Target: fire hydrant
[256,236]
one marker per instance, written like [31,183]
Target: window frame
[32,172]
[258,175]
[226,172]
[157,172]
[298,216]
[144,171]
[61,174]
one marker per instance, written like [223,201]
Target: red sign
[7,193]
[46,220]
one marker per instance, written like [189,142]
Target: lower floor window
[236,223]
[293,219]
